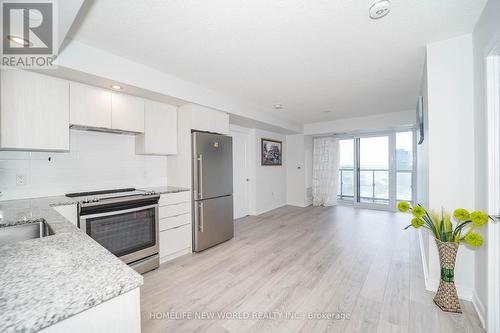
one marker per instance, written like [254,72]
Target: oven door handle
[117,212]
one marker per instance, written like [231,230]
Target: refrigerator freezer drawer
[213,222]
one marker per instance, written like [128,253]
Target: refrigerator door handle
[200,216]
[200,176]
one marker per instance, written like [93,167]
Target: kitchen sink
[23,232]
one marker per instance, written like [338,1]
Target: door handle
[200,215]
[200,176]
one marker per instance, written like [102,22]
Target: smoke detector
[379,9]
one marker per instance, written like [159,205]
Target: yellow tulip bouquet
[442,227]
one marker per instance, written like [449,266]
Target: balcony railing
[374,185]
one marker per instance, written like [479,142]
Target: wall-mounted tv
[420,120]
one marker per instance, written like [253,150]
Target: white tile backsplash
[96,161]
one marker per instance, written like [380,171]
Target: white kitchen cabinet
[175,198]
[175,209]
[34,112]
[127,113]
[121,314]
[90,106]
[209,120]
[175,242]
[175,225]
[160,130]
[168,223]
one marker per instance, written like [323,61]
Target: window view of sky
[374,155]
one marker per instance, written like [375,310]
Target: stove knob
[85,201]
[95,200]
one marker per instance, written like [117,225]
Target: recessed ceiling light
[19,40]
[116,87]
[379,9]
[278,106]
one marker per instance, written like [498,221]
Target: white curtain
[325,170]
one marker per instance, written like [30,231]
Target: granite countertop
[165,189]
[49,279]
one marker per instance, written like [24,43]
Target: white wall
[451,145]
[299,170]
[268,184]
[270,181]
[309,168]
[386,121]
[487,30]
[295,175]
[96,161]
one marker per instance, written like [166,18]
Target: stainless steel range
[124,221]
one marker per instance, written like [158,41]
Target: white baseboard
[298,204]
[479,307]
[267,209]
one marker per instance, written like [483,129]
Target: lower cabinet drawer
[174,221]
[174,240]
[173,198]
[174,210]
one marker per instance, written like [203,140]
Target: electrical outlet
[20,179]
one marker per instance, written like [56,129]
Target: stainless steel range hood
[102,129]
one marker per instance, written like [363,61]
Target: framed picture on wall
[271,152]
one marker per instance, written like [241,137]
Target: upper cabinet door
[89,106]
[34,112]
[160,130]
[127,113]
[209,120]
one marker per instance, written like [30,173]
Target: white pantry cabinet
[175,225]
[160,130]
[210,121]
[127,113]
[34,112]
[89,106]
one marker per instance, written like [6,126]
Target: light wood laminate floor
[337,261]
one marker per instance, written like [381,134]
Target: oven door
[130,234]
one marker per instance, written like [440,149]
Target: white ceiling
[321,59]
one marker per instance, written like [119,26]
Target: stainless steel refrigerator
[212,189]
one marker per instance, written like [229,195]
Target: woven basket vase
[446,297]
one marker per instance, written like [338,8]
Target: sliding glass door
[346,184]
[373,170]
[376,171]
